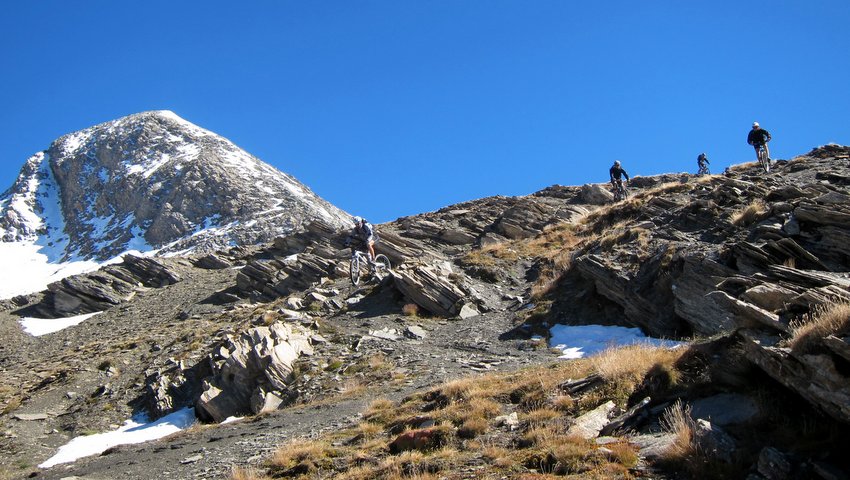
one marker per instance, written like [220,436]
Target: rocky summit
[444,368]
[152,181]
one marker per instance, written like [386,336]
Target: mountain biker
[702,162]
[617,173]
[759,137]
[364,232]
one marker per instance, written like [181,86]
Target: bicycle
[619,190]
[703,170]
[379,269]
[764,161]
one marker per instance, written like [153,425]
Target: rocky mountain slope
[152,181]
[732,263]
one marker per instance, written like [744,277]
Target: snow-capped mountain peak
[151,181]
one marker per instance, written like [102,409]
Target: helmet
[616,163]
[755,124]
[358,219]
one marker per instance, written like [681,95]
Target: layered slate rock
[105,288]
[725,252]
[819,376]
[421,249]
[251,372]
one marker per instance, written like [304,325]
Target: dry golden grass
[684,454]
[269,317]
[463,410]
[749,214]
[10,401]
[631,364]
[472,427]
[248,473]
[550,273]
[305,454]
[550,243]
[539,435]
[570,454]
[368,430]
[827,320]
[667,188]
[458,389]
[351,387]
[563,403]
[677,420]
[499,457]
[541,416]
[624,453]
[379,405]
[482,407]
[703,179]
[410,310]
[743,166]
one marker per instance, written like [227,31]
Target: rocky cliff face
[152,181]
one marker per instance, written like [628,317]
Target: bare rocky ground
[678,259]
[65,376]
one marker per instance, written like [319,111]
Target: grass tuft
[831,319]
[749,214]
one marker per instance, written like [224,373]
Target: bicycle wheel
[354,269]
[619,193]
[382,266]
[763,160]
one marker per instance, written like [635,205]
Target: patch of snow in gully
[577,341]
[133,431]
[42,326]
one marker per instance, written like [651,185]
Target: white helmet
[358,219]
[755,124]
[616,163]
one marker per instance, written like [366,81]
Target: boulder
[596,194]
[774,465]
[415,332]
[424,286]
[456,237]
[770,297]
[817,378]
[746,314]
[252,372]
[509,422]
[468,311]
[725,409]
[212,262]
[713,441]
[589,425]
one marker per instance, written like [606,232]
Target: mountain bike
[361,264]
[763,160]
[619,190]
[703,170]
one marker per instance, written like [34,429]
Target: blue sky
[392,108]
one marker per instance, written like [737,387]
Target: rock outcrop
[105,288]
[251,372]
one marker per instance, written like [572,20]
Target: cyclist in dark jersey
[617,173]
[702,162]
[759,137]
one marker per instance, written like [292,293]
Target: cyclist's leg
[766,152]
[371,244]
[756,146]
